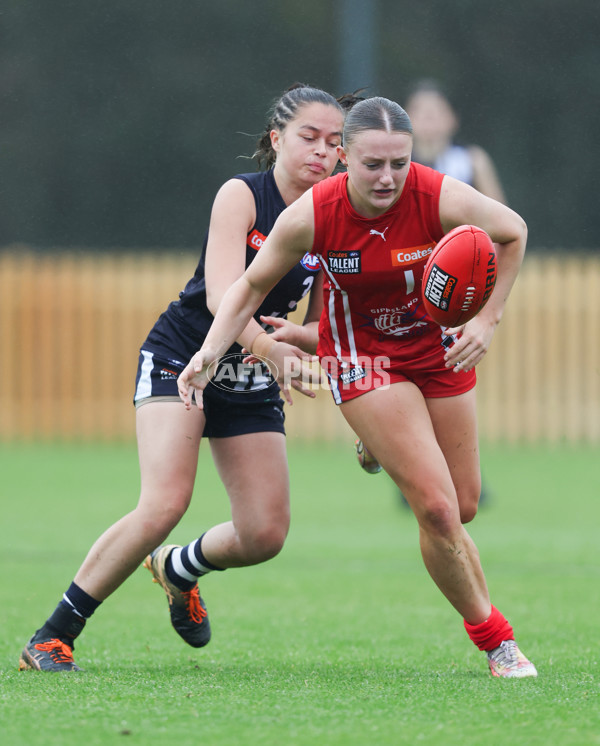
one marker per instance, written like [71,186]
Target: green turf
[342,639]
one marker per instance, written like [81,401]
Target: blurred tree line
[119,120]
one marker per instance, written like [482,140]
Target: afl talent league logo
[439,288]
[344,262]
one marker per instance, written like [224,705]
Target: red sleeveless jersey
[373,269]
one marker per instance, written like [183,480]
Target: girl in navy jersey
[243,412]
[406,392]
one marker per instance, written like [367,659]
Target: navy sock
[68,619]
[80,601]
[64,623]
[186,564]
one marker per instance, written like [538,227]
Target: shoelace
[58,650]
[193,606]
[506,653]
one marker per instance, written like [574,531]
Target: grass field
[342,639]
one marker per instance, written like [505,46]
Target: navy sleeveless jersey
[180,331]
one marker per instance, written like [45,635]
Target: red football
[459,276]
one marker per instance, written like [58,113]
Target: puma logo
[373,232]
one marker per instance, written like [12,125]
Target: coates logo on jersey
[255,240]
[411,255]
[311,262]
[344,262]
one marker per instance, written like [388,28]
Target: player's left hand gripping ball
[459,276]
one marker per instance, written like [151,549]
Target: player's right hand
[290,367]
[294,371]
[195,377]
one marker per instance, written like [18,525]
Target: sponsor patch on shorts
[350,376]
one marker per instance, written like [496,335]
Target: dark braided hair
[285,109]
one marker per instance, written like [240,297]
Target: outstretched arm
[290,239]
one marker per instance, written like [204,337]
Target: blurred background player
[436,125]
[245,430]
[435,128]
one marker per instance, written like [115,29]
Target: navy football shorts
[227,413]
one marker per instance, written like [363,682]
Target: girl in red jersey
[435,123]
[404,384]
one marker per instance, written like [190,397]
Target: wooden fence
[71,325]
